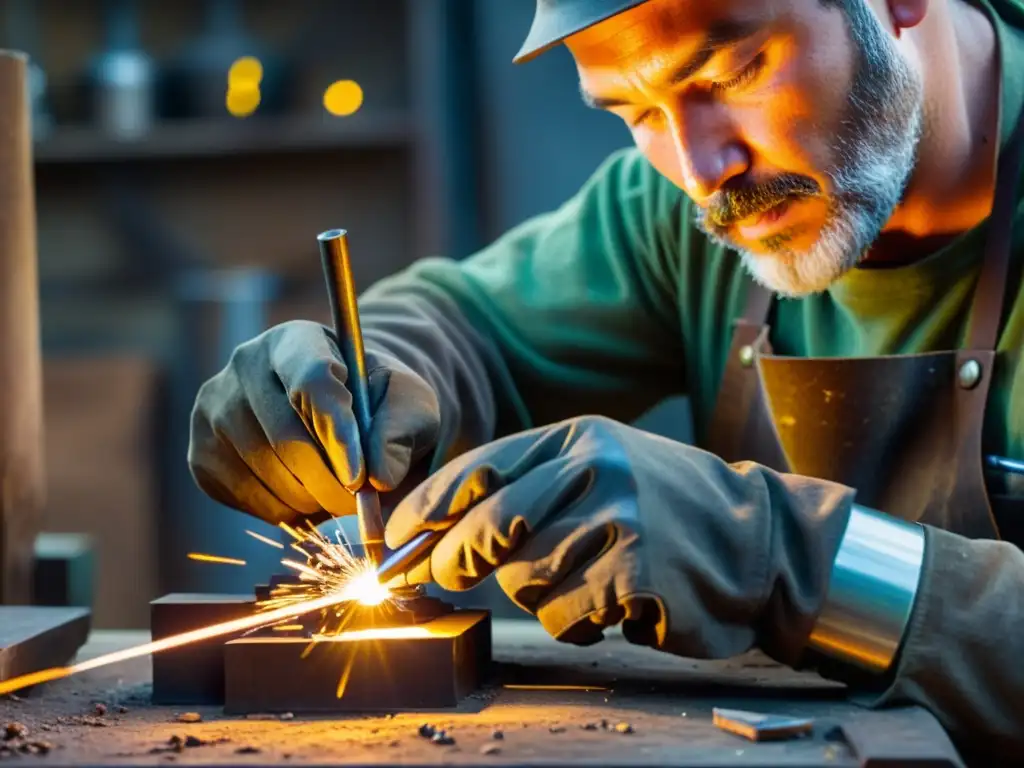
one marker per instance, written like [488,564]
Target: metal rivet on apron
[746,356]
[969,374]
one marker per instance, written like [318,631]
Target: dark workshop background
[170,230]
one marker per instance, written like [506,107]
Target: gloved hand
[590,522]
[273,434]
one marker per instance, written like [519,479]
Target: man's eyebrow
[721,35]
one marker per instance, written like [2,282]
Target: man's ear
[905,14]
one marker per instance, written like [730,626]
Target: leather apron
[905,430]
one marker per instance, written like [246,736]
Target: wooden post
[22,484]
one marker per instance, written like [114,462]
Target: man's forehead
[659,27]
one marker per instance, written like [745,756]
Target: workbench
[611,704]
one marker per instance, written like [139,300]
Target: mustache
[731,205]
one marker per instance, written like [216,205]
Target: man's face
[792,124]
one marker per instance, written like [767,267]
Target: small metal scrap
[759,726]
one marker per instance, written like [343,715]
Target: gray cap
[555,20]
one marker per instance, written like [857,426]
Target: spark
[265,540]
[330,566]
[215,559]
[331,582]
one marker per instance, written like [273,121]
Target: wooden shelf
[223,137]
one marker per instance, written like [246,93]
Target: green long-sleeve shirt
[615,301]
[617,298]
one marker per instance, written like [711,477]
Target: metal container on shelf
[122,77]
[196,80]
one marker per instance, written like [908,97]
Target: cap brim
[554,22]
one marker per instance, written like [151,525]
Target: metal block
[431,665]
[36,638]
[192,674]
[64,569]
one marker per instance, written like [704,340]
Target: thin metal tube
[1005,464]
[341,291]
[406,556]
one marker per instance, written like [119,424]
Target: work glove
[589,523]
[273,433]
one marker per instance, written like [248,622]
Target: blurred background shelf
[157,255]
[213,138]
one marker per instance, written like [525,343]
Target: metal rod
[406,556]
[1005,464]
[341,290]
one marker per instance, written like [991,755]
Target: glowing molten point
[366,590]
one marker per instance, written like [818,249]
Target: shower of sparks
[214,559]
[330,583]
[329,567]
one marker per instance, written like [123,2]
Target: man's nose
[708,151]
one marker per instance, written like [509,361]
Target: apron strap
[758,304]
[990,293]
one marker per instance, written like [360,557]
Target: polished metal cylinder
[341,290]
[399,562]
[873,587]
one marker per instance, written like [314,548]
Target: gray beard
[876,155]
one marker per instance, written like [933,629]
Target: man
[855,159]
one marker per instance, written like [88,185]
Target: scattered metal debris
[20,746]
[178,743]
[442,738]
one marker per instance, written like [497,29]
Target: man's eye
[744,77]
